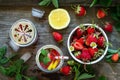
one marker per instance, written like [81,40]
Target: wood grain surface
[10,11]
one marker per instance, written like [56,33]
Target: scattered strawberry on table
[79,10]
[66,70]
[87,43]
[113,55]
[57,36]
[101,13]
[108,27]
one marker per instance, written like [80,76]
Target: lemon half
[59,19]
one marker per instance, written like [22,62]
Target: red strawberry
[85,55]
[79,32]
[81,40]
[101,13]
[52,54]
[78,46]
[108,27]
[77,54]
[57,36]
[101,41]
[80,10]
[92,51]
[66,70]
[91,38]
[115,57]
[90,30]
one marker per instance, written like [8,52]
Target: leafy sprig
[48,2]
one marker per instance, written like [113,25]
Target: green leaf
[55,3]
[105,3]
[3,51]
[4,60]
[46,60]
[44,2]
[41,58]
[18,77]
[112,51]
[117,25]
[44,52]
[118,10]
[3,70]
[102,78]
[94,2]
[85,76]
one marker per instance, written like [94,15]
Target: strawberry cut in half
[78,46]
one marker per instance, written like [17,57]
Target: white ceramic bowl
[91,62]
[38,62]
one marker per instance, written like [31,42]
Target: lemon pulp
[59,18]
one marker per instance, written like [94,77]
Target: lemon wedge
[59,19]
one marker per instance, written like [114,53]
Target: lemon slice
[59,19]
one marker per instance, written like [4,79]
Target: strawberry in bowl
[47,58]
[87,44]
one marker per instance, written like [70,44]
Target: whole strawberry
[108,27]
[90,30]
[57,36]
[115,57]
[92,51]
[66,70]
[101,13]
[80,10]
[79,32]
[101,41]
[91,38]
[85,55]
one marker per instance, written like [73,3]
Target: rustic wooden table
[10,13]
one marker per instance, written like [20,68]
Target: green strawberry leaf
[44,52]
[46,60]
[85,76]
[55,3]
[44,2]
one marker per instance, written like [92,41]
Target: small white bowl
[38,62]
[91,62]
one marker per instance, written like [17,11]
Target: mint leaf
[44,52]
[85,76]
[44,2]
[102,78]
[46,60]
[41,58]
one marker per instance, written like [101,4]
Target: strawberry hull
[91,48]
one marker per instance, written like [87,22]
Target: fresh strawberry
[57,36]
[77,54]
[108,27]
[80,10]
[115,57]
[85,55]
[74,38]
[79,32]
[81,40]
[66,70]
[101,13]
[78,46]
[101,41]
[90,38]
[90,30]
[92,51]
